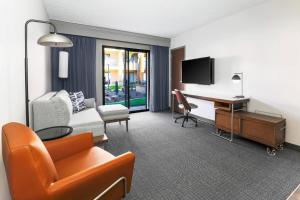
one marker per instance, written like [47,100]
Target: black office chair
[184,105]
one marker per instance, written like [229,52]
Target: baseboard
[292,146]
[202,119]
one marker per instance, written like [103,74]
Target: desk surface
[214,97]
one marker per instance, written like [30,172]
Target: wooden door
[177,56]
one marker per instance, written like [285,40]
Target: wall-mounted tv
[198,71]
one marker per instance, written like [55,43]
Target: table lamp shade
[236,78]
[63,64]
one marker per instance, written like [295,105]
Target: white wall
[13,15]
[264,43]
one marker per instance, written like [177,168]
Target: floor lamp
[50,40]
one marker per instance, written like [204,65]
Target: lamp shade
[63,64]
[236,78]
[55,40]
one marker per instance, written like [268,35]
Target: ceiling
[165,18]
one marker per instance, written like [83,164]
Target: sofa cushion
[82,161]
[90,103]
[86,116]
[115,117]
[52,109]
[87,120]
[63,94]
[78,103]
[111,110]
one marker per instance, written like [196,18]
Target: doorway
[177,56]
[126,77]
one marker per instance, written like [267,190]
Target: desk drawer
[259,132]
[223,121]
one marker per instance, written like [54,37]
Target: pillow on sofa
[78,103]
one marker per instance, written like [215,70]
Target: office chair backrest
[182,100]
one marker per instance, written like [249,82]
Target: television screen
[199,71]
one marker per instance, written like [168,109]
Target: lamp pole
[242,83]
[26,62]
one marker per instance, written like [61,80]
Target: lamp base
[239,97]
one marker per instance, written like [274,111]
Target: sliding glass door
[125,77]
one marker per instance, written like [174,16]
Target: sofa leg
[119,122]
[126,125]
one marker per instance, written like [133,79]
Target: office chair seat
[193,106]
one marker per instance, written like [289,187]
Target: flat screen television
[198,71]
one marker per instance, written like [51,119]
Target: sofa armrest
[89,183]
[90,103]
[67,146]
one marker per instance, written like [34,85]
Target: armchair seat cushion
[112,112]
[116,109]
[81,161]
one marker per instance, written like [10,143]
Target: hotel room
[150,100]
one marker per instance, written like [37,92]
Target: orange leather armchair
[69,168]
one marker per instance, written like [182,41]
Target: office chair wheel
[271,151]
[280,147]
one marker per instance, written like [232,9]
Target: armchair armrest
[67,146]
[93,181]
[90,103]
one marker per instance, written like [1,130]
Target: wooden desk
[221,101]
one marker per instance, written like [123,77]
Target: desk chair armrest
[89,183]
[67,146]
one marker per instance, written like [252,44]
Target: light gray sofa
[55,109]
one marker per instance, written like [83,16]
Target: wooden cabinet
[223,121]
[264,129]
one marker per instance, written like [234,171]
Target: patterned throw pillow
[77,99]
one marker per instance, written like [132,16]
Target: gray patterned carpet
[190,164]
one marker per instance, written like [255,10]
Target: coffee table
[55,132]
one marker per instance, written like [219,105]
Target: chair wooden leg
[104,127]
[126,125]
